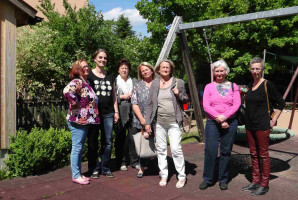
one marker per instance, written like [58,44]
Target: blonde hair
[140,77]
[172,65]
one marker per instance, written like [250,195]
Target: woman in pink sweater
[221,101]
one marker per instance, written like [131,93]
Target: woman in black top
[103,84]
[258,125]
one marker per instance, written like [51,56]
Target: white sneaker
[123,168]
[181,183]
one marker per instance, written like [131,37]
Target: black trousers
[125,150]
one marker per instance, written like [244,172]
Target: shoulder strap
[232,86]
[265,84]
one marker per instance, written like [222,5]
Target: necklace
[164,82]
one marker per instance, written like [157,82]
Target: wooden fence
[41,113]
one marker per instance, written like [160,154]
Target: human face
[220,74]
[256,70]
[101,59]
[85,69]
[165,69]
[146,72]
[123,71]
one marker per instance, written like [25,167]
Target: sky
[111,9]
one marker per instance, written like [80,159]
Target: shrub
[38,151]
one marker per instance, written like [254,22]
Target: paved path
[125,185]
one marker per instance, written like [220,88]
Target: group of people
[221,101]
[99,102]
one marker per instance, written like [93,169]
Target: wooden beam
[291,84]
[24,7]
[8,74]
[241,18]
[192,85]
[169,40]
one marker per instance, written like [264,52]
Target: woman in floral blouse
[83,111]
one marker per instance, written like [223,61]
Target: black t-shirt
[256,113]
[103,88]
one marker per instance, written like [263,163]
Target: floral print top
[83,103]
[139,97]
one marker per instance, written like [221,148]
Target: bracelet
[117,112]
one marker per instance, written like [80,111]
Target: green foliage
[123,27]
[233,42]
[38,151]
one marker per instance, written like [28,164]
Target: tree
[123,27]
[47,51]
[236,43]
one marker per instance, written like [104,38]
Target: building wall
[58,5]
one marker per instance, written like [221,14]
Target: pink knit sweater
[214,104]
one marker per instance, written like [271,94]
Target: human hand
[148,128]
[116,117]
[220,118]
[175,91]
[272,123]
[225,125]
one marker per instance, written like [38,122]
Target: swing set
[178,29]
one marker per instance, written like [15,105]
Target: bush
[38,151]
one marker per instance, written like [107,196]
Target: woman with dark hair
[260,97]
[103,84]
[139,100]
[124,145]
[164,113]
[221,101]
[83,112]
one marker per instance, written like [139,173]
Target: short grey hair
[257,60]
[222,63]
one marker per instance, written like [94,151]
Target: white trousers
[173,131]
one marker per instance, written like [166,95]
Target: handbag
[240,113]
[145,147]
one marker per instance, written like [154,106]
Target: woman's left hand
[272,123]
[175,91]
[225,125]
[116,117]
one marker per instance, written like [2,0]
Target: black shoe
[251,187]
[204,186]
[95,175]
[260,191]
[223,186]
[109,175]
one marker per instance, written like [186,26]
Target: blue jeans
[78,137]
[215,134]
[106,129]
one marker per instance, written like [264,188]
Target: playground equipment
[178,28]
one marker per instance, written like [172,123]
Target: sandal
[163,181]
[181,183]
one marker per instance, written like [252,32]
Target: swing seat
[277,133]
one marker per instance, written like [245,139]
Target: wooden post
[169,40]
[192,85]
[8,73]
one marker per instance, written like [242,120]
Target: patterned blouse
[79,92]
[139,97]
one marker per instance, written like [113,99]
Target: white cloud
[133,15]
